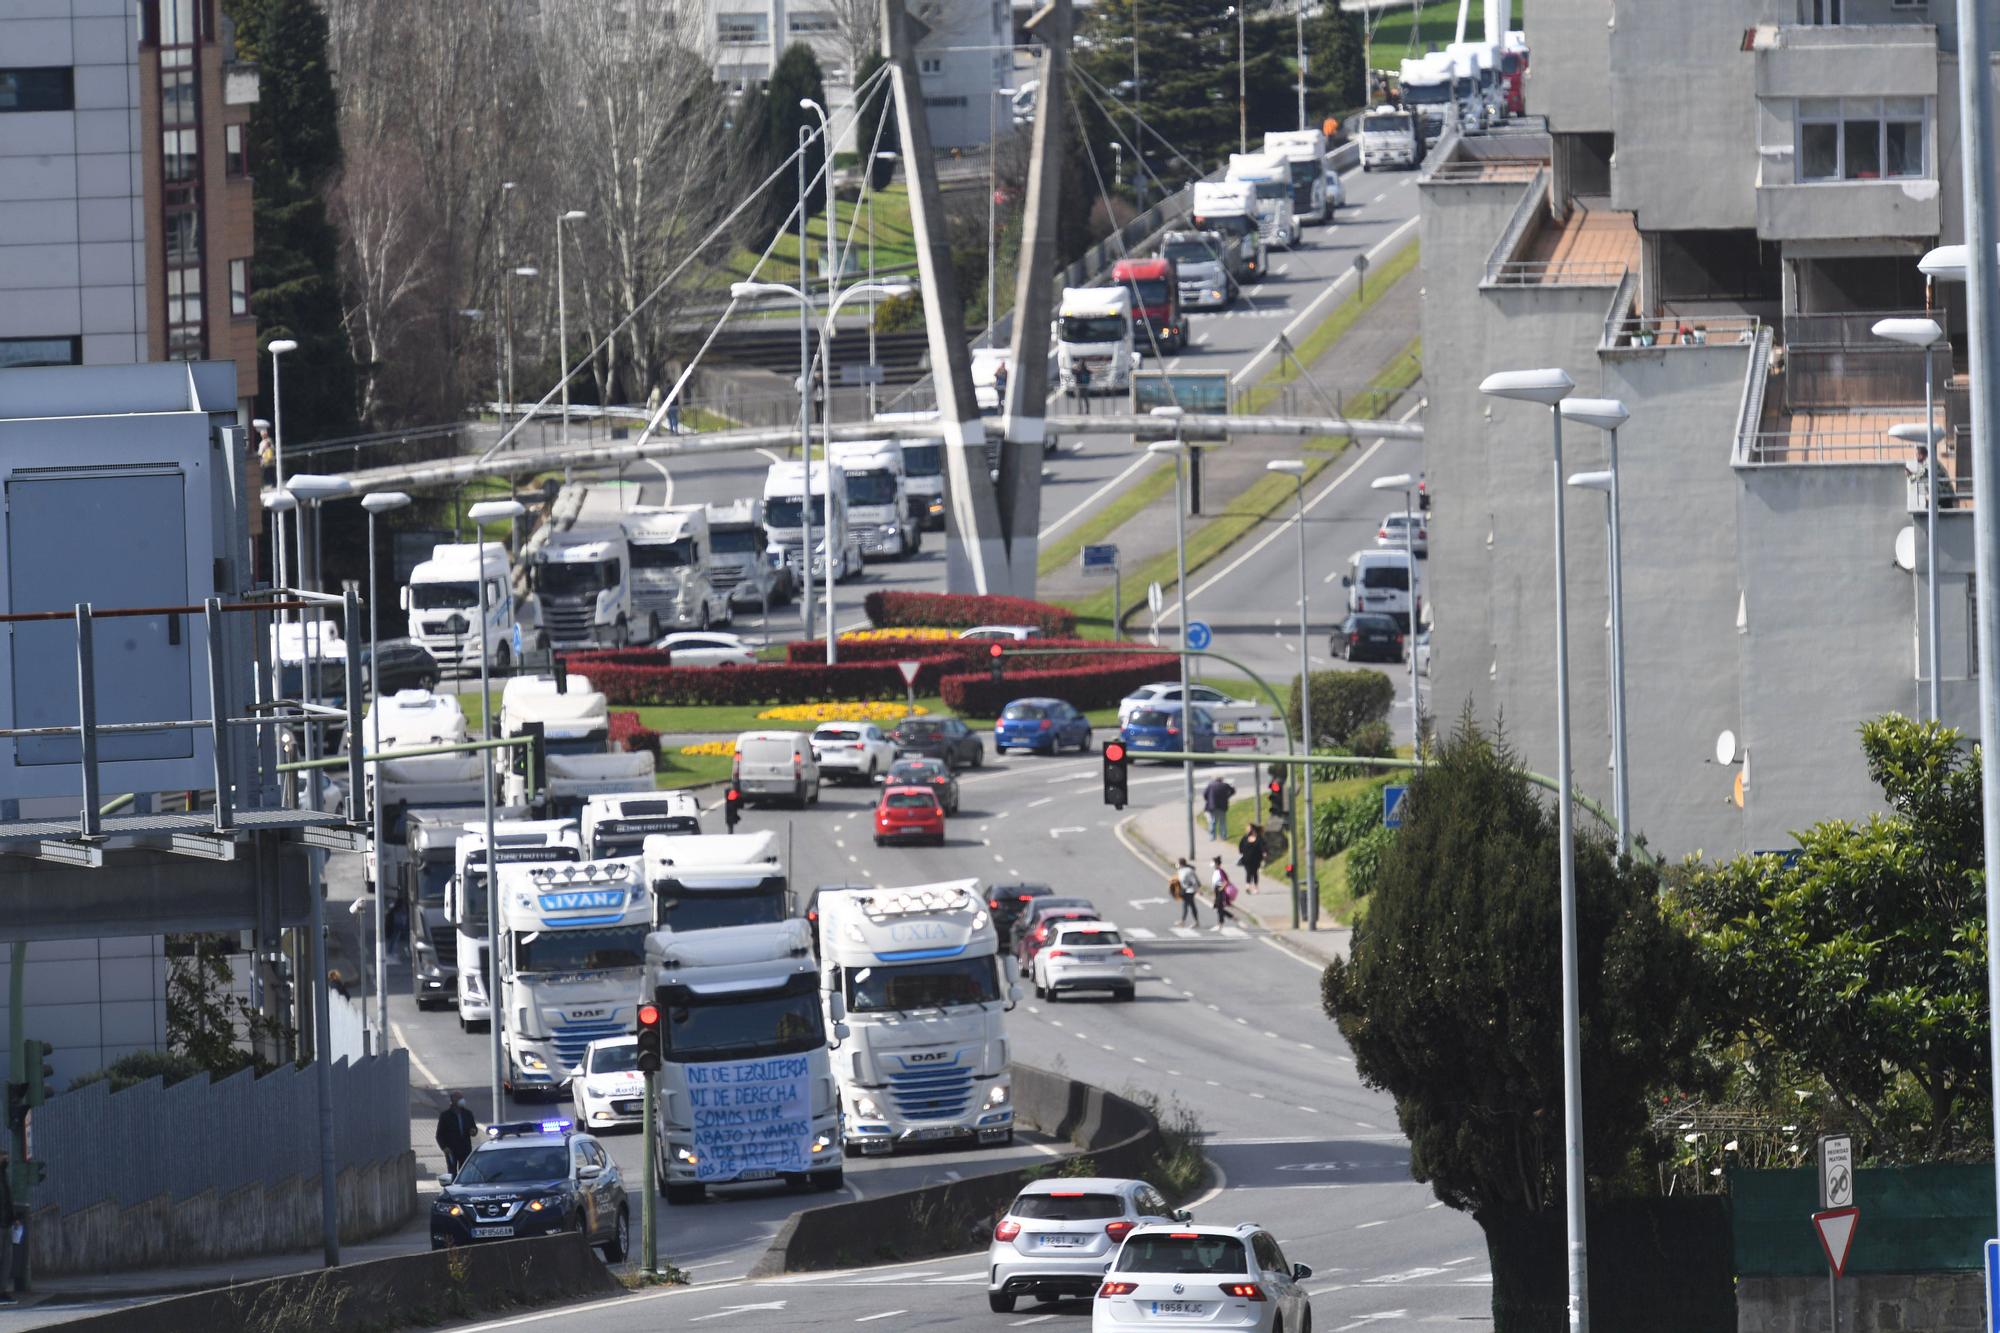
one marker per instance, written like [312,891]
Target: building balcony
[1830,391]
[1592,246]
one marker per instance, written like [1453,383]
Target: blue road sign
[1100,557]
[1199,636]
[517,640]
[1392,806]
[1993,1286]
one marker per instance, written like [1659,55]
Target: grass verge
[1331,329]
[1336,899]
[895,242]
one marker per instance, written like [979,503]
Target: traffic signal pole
[649,1212]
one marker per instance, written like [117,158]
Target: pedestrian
[1215,798]
[1000,387]
[1250,855]
[674,416]
[1080,377]
[1225,893]
[1190,892]
[454,1133]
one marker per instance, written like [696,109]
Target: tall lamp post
[1924,333]
[490,511]
[562,315]
[1295,468]
[507,310]
[826,143]
[277,347]
[1176,449]
[1242,89]
[1607,415]
[377,503]
[992,198]
[1299,17]
[1548,388]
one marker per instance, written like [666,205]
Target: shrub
[1364,859]
[1341,702]
[964,610]
[1372,740]
[1341,823]
[129,1071]
[627,732]
[775,683]
[1090,683]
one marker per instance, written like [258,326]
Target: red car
[906,813]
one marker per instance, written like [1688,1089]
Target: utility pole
[1299,16]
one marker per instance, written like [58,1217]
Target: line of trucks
[1468,87]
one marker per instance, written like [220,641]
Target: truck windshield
[591,744]
[1190,252]
[663,555]
[706,909]
[575,578]
[784,1021]
[1148,293]
[1305,172]
[1426,94]
[788,512]
[1274,189]
[1236,224]
[594,950]
[444,596]
[331,677]
[874,487]
[432,876]
[1386,123]
[735,541]
[1086,329]
[928,985]
[921,460]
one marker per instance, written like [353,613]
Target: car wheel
[878,842]
[620,1243]
[799,795]
[1126,993]
[680,1194]
[1000,1302]
[979,755]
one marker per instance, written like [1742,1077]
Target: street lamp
[1924,333]
[490,511]
[1296,469]
[884,156]
[1607,415]
[378,502]
[992,200]
[277,347]
[507,313]
[1407,484]
[1176,448]
[1299,17]
[562,315]
[1548,388]
[826,167]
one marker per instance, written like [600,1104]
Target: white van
[777,766]
[1382,581]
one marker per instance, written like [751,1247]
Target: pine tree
[880,109]
[795,77]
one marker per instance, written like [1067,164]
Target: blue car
[1158,727]
[1046,725]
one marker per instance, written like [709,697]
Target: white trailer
[923,469]
[784,518]
[442,599]
[520,842]
[1230,207]
[673,571]
[878,501]
[576,744]
[1316,188]
[740,560]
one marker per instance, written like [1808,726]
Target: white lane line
[855,859]
[886,1314]
[842,842]
[1303,962]
[1429,1206]
[1106,489]
[1305,315]
[1366,1225]
[416,1062]
[999,858]
[1310,1110]
[1453,1263]
[1272,1035]
[1363,1124]
[1260,1097]
[1032,1319]
[1139,933]
[1048,800]
[1376,200]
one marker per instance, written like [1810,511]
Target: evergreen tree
[796,77]
[880,109]
[1335,81]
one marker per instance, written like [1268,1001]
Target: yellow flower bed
[873,635]
[842,712]
[717,749]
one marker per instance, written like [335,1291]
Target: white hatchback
[1057,1235]
[708,648]
[1173,1275]
[1085,955]
[1390,534]
[607,1086]
[855,750]
[1166,692]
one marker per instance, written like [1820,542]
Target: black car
[1368,636]
[406,665]
[534,1178]
[932,773]
[810,907]
[946,738]
[1007,902]
[1030,931]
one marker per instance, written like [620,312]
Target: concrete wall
[1570,50]
[1869,1303]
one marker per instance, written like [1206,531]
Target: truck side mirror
[403,598]
[836,1007]
[841,1032]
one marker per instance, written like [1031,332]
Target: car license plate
[488,1233]
[1182,1308]
[1058,1240]
[934,1132]
[758,1175]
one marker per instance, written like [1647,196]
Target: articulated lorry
[746,1089]
[703,881]
[1230,209]
[619,823]
[1316,187]
[741,564]
[1270,177]
[424,865]
[442,599]
[1207,268]
[582,590]
[784,519]
[1156,302]
[1093,329]
[414,720]
[521,842]
[917,975]
[1480,61]
[673,572]
[878,506]
[572,952]
[577,760]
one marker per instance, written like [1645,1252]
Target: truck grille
[444,943]
[931,1094]
[571,1038]
[654,589]
[725,576]
[567,621]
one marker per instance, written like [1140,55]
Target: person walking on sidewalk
[454,1133]
[1250,855]
[1190,892]
[1215,798]
[1225,893]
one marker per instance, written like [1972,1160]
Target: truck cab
[572,953]
[442,599]
[1316,188]
[1514,72]
[917,974]
[878,506]
[1156,301]
[746,1090]
[520,842]
[1429,94]
[424,869]
[577,760]
[737,546]
[1270,177]
[673,568]
[1230,208]
[923,470]
[1390,138]
[1093,328]
[1205,268]
[1480,61]
[704,881]
[618,824]
[411,720]
[582,585]
[784,518]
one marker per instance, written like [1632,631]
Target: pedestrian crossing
[1187,933]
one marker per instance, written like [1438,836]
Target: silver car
[1058,1235]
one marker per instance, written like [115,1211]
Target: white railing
[1534,199]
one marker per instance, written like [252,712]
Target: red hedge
[946,610]
[627,733]
[963,652]
[1091,683]
[765,684]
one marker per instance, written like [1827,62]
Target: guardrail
[1527,211]
[1555,273]
[1680,330]
[1756,378]
[1767,448]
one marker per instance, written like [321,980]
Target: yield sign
[909,670]
[1836,1235]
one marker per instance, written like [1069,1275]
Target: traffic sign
[1199,636]
[1836,1235]
[1100,557]
[1836,1171]
[909,670]
[1155,598]
[1392,806]
[517,640]
[1992,1286]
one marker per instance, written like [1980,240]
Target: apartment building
[1723,199]
[125,198]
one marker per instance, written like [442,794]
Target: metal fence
[127,1147]
[1823,446]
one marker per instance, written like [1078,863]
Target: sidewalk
[1160,831]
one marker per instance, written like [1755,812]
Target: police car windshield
[495,1165]
[580,950]
[927,985]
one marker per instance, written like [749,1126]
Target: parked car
[1056,1237]
[853,750]
[930,773]
[1016,633]
[406,665]
[534,1178]
[946,738]
[1390,534]
[909,814]
[776,766]
[1008,902]
[1367,636]
[1044,725]
[708,648]
[1085,955]
[1159,728]
[1168,692]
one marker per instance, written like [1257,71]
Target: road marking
[1304,315]
[857,860]
[734,1309]
[1363,1124]
[1187,933]
[1107,488]
[1376,200]
[416,1062]
[842,842]
[996,856]
[1272,1035]
[1303,962]
[1372,1318]
[1310,1110]
[1234,933]
[1260,1096]
[1138,1059]
[1049,800]
[1366,1225]
[1307,1046]
[886,1314]
[1456,1262]
[1139,933]
[1032,1319]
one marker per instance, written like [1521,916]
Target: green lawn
[1434,30]
[895,243]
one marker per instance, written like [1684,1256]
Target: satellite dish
[1906,549]
[1725,748]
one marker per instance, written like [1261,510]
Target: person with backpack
[1190,891]
[1225,893]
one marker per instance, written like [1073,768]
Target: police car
[534,1178]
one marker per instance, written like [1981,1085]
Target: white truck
[923,469]
[739,557]
[424,870]
[1270,177]
[1230,207]
[703,881]
[745,1089]
[784,518]
[878,502]
[1390,138]
[619,823]
[442,599]
[673,572]
[1202,266]
[917,975]
[1316,187]
[572,953]
[1481,62]
[1093,328]
[582,590]
[521,842]
[1429,86]
[410,720]
[576,745]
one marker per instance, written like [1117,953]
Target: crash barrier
[407,1291]
[1121,1138]
[200,1171]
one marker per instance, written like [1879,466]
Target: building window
[178,153]
[235,150]
[742,29]
[177,97]
[183,236]
[811,23]
[1824,13]
[17,352]
[239,286]
[946,101]
[1862,138]
[49,88]
[184,297]
[931,65]
[177,23]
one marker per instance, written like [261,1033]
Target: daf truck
[619,823]
[577,760]
[739,554]
[521,842]
[1316,187]
[1230,208]
[703,881]
[1207,268]
[1093,328]
[1270,177]
[582,586]
[673,580]
[1156,301]
[784,517]
[572,954]
[917,974]
[442,599]
[923,469]
[746,1090]
[878,507]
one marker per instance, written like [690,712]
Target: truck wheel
[704,617]
[680,1194]
[826,1182]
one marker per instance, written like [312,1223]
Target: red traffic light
[1114,751]
[734,795]
[649,1015]
[993,650]
[1277,786]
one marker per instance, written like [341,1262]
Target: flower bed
[900,633]
[842,712]
[964,610]
[956,654]
[711,749]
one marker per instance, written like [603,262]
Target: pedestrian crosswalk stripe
[1186,933]
[1140,933]
[1235,933]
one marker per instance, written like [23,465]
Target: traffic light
[732,807]
[1115,760]
[1277,791]
[993,661]
[17,1106]
[649,1038]
[35,1057]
